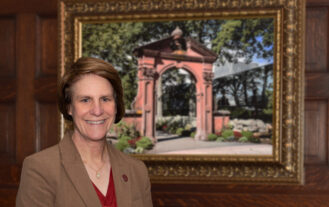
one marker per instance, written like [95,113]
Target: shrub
[227,133]
[243,139]
[192,134]
[247,134]
[179,131]
[123,129]
[144,143]
[161,124]
[212,137]
[174,125]
[139,150]
[188,127]
[122,143]
[220,139]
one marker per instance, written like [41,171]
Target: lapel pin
[124,177]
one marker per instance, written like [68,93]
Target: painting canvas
[235,58]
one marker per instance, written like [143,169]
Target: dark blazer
[57,177]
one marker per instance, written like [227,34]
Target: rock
[253,125]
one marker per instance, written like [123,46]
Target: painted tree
[244,39]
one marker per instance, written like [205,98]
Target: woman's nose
[97,109]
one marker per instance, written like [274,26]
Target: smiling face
[93,107]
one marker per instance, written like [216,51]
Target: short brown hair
[84,66]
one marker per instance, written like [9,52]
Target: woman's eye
[85,100]
[106,99]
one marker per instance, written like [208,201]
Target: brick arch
[185,67]
[154,59]
[158,85]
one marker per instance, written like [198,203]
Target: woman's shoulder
[45,160]
[127,159]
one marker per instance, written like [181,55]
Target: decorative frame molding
[285,165]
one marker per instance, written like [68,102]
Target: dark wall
[29,117]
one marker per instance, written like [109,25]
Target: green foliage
[212,137]
[179,131]
[123,129]
[128,137]
[122,143]
[192,134]
[227,133]
[161,124]
[248,37]
[129,85]
[144,143]
[220,139]
[174,125]
[243,139]
[188,127]
[269,109]
[139,150]
[247,134]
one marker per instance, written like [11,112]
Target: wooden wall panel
[47,45]
[9,194]
[46,83]
[7,89]
[30,6]
[25,103]
[9,171]
[315,144]
[7,133]
[7,45]
[47,125]
[7,60]
[316,84]
[239,200]
[316,39]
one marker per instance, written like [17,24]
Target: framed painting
[213,89]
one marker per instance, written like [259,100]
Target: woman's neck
[91,151]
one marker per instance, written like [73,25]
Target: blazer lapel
[121,177]
[77,173]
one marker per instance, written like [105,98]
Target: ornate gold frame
[285,165]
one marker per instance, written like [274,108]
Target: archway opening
[175,104]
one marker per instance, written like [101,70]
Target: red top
[109,200]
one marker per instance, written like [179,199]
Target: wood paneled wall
[29,117]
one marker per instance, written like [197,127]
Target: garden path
[173,144]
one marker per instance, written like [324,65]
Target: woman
[83,170]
